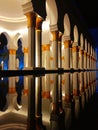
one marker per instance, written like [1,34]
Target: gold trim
[25,50]
[31,19]
[12,51]
[46,47]
[75,49]
[67,44]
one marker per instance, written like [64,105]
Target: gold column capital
[12,51]
[25,50]
[54,35]
[31,19]
[39,21]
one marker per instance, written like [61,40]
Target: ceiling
[11,9]
[11,15]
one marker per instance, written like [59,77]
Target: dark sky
[89,11]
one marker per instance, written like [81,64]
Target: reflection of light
[50,48]
[19,106]
[51,93]
[63,46]
[2,64]
[63,94]
[1,78]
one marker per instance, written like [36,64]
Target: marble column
[30,63]
[12,66]
[38,79]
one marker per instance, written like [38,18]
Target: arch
[85,44]
[16,38]
[45,32]
[7,37]
[4,53]
[76,37]
[66,25]
[19,50]
[51,10]
[81,41]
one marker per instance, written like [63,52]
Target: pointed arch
[67,27]
[51,10]
[76,36]
[81,41]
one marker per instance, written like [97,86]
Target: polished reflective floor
[88,119]
[47,102]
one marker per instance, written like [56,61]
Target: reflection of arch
[66,25]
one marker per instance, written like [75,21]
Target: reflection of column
[76,96]
[81,89]
[12,85]
[91,77]
[54,51]
[67,99]
[88,73]
[31,105]
[26,84]
[85,73]
[93,72]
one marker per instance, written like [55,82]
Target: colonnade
[60,52]
[65,94]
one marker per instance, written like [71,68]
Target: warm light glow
[45,25]
[22,31]
[15,20]
[63,46]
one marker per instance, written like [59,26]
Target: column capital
[53,28]
[29,13]
[31,19]
[74,44]
[65,38]
[59,36]
[39,21]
